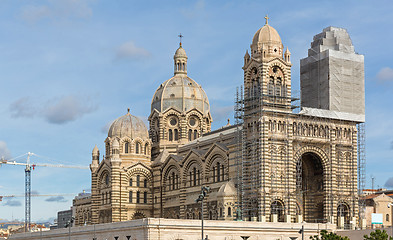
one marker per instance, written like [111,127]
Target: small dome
[181,93]
[228,189]
[180,52]
[128,126]
[266,35]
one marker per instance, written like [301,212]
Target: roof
[323,113]
[128,126]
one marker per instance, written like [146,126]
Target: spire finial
[266,18]
[128,110]
[180,37]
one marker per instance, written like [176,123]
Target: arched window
[220,212]
[229,211]
[195,134]
[270,87]
[170,135]
[130,182]
[138,197]
[176,134]
[222,172]
[137,148]
[138,180]
[145,183]
[387,217]
[130,197]
[278,87]
[214,174]
[199,178]
[218,172]
[173,181]
[194,180]
[126,147]
[146,149]
[189,135]
[144,197]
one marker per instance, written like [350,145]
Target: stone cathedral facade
[273,165]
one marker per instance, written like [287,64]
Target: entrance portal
[309,187]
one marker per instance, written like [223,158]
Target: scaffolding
[361,168]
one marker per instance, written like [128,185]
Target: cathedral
[278,162]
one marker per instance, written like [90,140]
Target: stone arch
[312,177]
[187,168]
[138,215]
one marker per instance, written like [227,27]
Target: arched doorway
[310,187]
[277,207]
[343,211]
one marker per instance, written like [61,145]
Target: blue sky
[68,68]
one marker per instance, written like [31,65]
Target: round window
[192,121]
[173,121]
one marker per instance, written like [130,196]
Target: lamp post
[204,191]
[69,224]
[390,205]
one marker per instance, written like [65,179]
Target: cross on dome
[180,36]
[266,18]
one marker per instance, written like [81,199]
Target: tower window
[195,134]
[130,196]
[137,148]
[229,211]
[176,132]
[138,180]
[145,183]
[138,197]
[130,182]
[170,137]
[145,197]
[126,146]
[146,149]
[189,135]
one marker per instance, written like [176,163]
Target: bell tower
[267,73]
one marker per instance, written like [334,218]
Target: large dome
[181,93]
[128,126]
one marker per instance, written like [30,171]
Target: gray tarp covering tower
[332,76]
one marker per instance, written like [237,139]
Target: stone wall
[170,229]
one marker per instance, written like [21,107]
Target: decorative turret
[95,159]
[246,58]
[287,56]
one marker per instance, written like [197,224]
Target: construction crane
[28,167]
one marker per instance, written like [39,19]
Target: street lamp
[69,224]
[390,205]
[204,191]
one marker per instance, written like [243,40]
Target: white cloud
[67,109]
[4,151]
[57,9]
[58,111]
[23,107]
[128,50]
[385,74]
